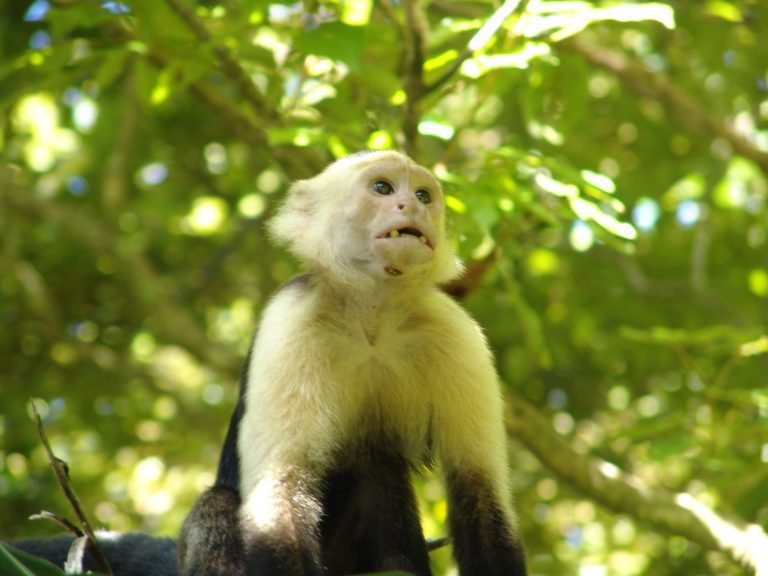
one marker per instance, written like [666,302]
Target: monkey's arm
[486,541]
[210,542]
[285,438]
[226,535]
[474,454]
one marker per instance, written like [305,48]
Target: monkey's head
[371,215]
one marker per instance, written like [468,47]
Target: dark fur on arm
[210,543]
[483,540]
[281,527]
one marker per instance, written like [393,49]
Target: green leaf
[14,562]
[336,41]
[754,347]
[299,136]
[725,10]
[662,449]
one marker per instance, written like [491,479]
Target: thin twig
[62,476]
[437,543]
[60,520]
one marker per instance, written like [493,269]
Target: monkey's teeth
[399,233]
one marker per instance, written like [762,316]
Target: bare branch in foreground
[62,475]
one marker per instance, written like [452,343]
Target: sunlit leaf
[615,226]
[563,19]
[356,13]
[484,63]
[758,282]
[380,140]
[690,187]
[725,10]
[755,347]
[599,181]
[441,60]
[436,128]
[556,187]
[543,262]
[455,205]
[742,184]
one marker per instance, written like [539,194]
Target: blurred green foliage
[606,160]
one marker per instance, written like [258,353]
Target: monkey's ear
[302,223]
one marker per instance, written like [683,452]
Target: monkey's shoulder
[304,300]
[300,283]
[441,312]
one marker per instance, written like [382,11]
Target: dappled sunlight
[605,170]
[153,174]
[208,215]
[39,117]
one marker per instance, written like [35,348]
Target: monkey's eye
[382,187]
[424,196]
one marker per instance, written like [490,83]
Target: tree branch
[682,107]
[230,66]
[298,162]
[414,54]
[252,128]
[116,170]
[603,482]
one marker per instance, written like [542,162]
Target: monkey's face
[371,215]
[398,209]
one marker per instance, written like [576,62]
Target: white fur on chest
[384,384]
[362,376]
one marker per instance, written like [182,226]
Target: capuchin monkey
[360,373]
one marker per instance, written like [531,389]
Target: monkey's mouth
[405,232]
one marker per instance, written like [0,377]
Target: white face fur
[375,215]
